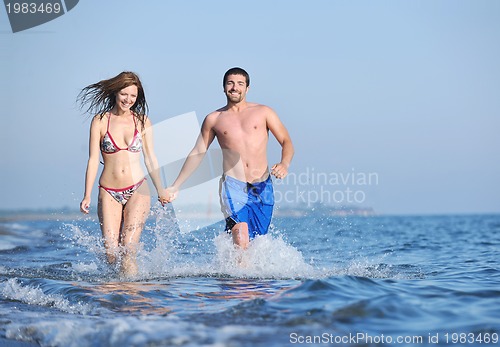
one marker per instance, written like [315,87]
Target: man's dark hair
[236,71]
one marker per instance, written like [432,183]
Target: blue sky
[408,90]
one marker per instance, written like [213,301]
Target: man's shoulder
[259,108]
[256,105]
[251,106]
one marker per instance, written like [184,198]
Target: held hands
[171,193]
[279,170]
[163,198]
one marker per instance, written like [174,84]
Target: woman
[120,131]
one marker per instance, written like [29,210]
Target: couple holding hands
[121,130]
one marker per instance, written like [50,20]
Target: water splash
[166,252]
[267,256]
[80,237]
[157,261]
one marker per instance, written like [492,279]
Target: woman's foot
[129,267]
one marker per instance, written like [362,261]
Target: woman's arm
[92,164]
[151,161]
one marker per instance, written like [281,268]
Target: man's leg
[240,235]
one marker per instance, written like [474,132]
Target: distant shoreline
[65,214]
[6,216]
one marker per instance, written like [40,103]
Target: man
[241,128]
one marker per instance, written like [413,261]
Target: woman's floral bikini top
[109,146]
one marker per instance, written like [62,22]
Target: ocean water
[315,280]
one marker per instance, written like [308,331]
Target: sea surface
[314,280]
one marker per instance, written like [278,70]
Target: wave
[124,331]
[14,289]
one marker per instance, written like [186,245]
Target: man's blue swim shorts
[247,202]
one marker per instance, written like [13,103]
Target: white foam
[85,267]
[13,289]
[124,331]
[6,245]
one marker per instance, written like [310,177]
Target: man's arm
[274,124]
[194,157]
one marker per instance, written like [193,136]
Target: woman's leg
[134,217]
[110,214]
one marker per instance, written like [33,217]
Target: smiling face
[235,88]
[126,98]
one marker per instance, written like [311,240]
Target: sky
[393,105]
